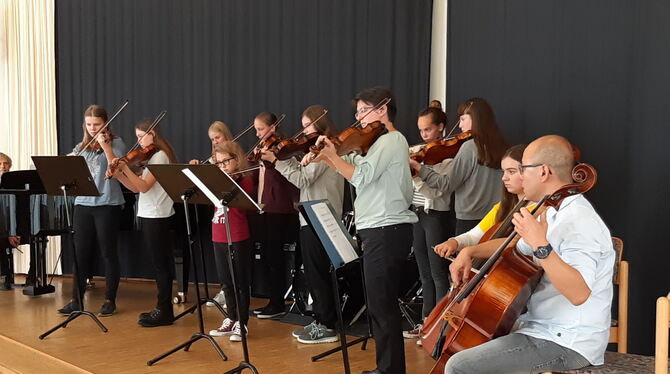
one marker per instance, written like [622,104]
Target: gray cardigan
[476,187]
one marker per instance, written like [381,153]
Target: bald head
[555,151]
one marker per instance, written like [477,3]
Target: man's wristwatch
[543,251]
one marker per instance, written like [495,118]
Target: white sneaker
[219,298]
[225,329]
[237,333]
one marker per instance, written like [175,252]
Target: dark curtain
[206,60]
[597,73]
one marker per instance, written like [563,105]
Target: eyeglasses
[225,161]
[523,167]
[362,111]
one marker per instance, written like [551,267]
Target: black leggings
[97,226]
[242,264]
[317,272]
[157,235]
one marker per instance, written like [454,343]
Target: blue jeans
[515,353]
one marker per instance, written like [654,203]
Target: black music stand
[181,189]
[69,176]
[342,251]
[223,192]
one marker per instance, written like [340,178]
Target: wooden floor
[83,348]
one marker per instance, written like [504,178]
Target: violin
[137,157]
[488,305]
[293,147]
[437,151]
[266,142]
[134,158]
[353,140]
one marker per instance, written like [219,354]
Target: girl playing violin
[230,158]
[475,172]
[96,218]
[383,219]
[512,193]
[218,133]
[316,181]
[436,220]
[279,221]
[155,216]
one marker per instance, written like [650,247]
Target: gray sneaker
[219,298]
[319,334]
[305,330]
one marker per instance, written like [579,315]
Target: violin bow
[153,126]
[103,128]
[267,135]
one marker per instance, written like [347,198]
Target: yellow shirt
[489,219]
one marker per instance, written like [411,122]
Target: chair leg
[622,328]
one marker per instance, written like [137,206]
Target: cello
[488,305]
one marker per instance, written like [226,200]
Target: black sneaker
[107,309]
[157,317]
[271,312]
[258,311]
[69,308]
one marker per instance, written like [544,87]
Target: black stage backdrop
[597,73]
[206,60]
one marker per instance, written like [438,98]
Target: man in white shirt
[567,322]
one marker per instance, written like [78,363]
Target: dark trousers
[463,225]
[279,229]
[6,265]
[433,228]
[157,235]
[97,226]
[317,272]
[385,251]
[242,264]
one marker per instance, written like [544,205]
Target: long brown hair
[509,200]
[324,125]
[159,141]
[485,132]
[96,111]
[234,150]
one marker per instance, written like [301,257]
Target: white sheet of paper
[189,174]
[334,232]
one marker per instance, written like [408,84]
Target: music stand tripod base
[68,176]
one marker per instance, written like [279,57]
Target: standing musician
[279,221]
[436,219]
[475,170]
[567,323]
[96,218]
[218,133]
[383,218]
[155,215]
[230,158]
[512,193]
[316,181]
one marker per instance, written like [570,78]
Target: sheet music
[332,228]
[189,174]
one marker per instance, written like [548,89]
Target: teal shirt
[383,183]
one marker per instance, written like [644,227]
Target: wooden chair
[662,325]
[619,328]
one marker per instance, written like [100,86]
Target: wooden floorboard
[82,347]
